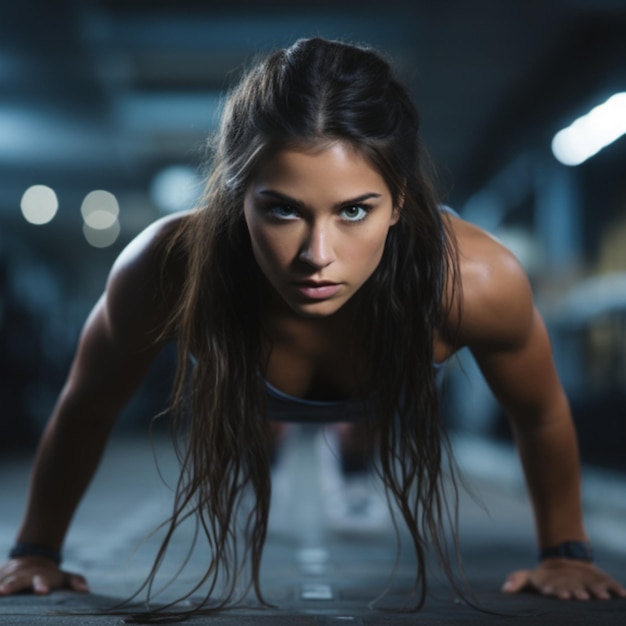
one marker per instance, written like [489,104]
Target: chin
[314,313]
[317,310]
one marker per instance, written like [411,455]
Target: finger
[16,584]
[617,589]
[600,591]
[581,594]
[78,583]
[516,581]
[40,585]
[556,592]
[9,586]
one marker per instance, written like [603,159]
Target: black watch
[33,549]
[577,550]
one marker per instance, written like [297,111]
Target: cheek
[270,249]
[368,252]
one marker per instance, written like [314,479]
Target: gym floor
[312,574]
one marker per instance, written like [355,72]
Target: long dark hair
[314,92]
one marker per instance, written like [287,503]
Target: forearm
[549,452]
[68,455]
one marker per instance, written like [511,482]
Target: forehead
[332,166]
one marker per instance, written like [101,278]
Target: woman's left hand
[565,579]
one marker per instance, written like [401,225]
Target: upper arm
[508,338]
[124,331]
[523,376]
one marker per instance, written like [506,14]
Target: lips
[316,289]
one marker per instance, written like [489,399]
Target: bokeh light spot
[101,238]
[175,188]
[101,220]
[95,204]
[39,204]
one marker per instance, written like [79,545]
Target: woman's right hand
[37,575]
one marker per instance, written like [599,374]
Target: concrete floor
[312,574]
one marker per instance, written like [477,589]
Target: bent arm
[104,375]
[505,333]
[524,380]
[508,338]
[119,341]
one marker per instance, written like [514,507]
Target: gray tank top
[282,407]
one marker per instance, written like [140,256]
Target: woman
[320,263]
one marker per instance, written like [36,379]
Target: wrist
[575,550]
[24,548]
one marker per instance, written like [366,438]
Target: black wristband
[32,549]
[577,550]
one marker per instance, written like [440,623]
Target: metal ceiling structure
[105,93]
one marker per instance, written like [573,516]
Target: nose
[317,250]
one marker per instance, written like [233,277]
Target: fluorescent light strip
[590,133]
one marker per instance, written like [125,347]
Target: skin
[312,237]
[300,232]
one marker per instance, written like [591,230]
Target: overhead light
[39,204]
[590,133]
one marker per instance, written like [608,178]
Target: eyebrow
[289,200]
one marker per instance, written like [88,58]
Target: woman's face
[318,220]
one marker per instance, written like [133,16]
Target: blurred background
[105,106]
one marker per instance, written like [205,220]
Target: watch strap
[33,549]
[577,550]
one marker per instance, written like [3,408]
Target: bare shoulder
[145,251]
[144,281]
[497,302]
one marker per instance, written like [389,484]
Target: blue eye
[355,213]
[282,212]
